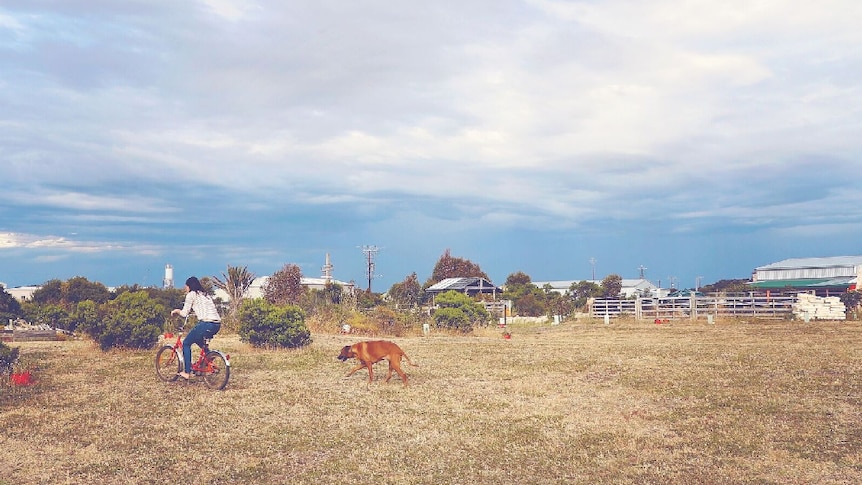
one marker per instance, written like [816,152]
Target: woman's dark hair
[195,285]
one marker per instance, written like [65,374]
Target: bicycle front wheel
[167,364]
[217,370]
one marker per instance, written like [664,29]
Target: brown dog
[369,353]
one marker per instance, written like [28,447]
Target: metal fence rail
[694,307]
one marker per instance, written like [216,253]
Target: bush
[452,318]
[459,312]
[51,314]
[8,357]
[263,324]
[132,320]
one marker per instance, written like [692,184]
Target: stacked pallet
[812,307]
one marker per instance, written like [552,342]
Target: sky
[689,141]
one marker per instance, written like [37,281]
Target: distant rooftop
[832,261]
[469,284]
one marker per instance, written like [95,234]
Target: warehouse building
[828,276]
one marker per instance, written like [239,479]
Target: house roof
[463,284]
[827,262]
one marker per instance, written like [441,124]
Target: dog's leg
[369,364]
[395,364]
[389,374]
[353,370]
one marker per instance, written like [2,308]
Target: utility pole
[642,268]
[593,264]
[370,252]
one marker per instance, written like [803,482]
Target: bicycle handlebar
[182,326]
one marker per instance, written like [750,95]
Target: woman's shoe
[184,375]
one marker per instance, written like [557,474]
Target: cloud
[232,10]
[126,121]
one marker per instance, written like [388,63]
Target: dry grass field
[576,403]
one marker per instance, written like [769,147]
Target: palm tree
[235,283]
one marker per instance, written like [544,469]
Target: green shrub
[452,318]
[52,314]
[132,320]
[86,314]
[263,324]
[458,311]
[8,357]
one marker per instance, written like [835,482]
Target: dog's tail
[408,360]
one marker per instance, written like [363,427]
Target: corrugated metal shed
[810,268]
[809,283]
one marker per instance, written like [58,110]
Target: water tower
[169,276]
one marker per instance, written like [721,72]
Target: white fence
[694,307]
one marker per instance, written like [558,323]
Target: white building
[21,293]
[630,287]
[257,286]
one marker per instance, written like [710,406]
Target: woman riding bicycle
[209,321]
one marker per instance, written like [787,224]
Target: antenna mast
[370,253]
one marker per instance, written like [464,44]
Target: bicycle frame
[212,365]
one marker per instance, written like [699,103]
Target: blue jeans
[203,330]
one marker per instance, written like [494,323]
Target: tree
[518,278]
[284,286]
[235,283]
[50,292]
[9,306]
[406,293]
[530,304]
[559,304]
[727,286]
[332,293]
[612,285]
[527,299]
[581,291]
[78,289]
[450,267]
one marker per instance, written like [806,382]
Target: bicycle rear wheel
[217,370]
[167,364]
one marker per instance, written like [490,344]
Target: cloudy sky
[695,139]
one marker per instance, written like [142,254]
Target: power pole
[370,252]
[593,264]
[642,268]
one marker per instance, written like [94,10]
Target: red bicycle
[212,365]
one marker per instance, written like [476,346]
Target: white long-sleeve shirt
[202,305]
